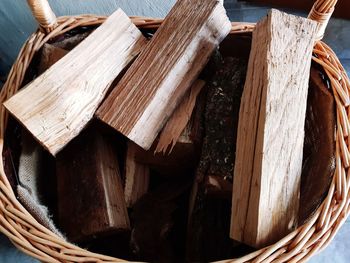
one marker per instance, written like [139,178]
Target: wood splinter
[176,125]
[180,141]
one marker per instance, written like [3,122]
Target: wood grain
[152,87]
[90,192]
[136,176]
[178,120]
[271,130]
[57,105]
[183,157]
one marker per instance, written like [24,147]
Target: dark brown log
[90,194]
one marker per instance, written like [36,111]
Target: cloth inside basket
[28,190]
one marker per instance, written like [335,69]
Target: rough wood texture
[184,156]
[49,56]
[319,145]
[57,105]
[90,192]
[153,86]
[178,120]
[271,130]
[136,177]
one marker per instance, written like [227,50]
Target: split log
[271,130]
[136,176]
[49,56]
[90,192]
[57,105]
[319,145]
[186,150]
[210,204]
[152,87]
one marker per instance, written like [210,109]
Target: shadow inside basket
[160,230]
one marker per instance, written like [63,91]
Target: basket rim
[35,240]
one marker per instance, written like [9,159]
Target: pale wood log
[136,176]
[152,87]
[90,191]
[178,120]
[271,130]
[57,105]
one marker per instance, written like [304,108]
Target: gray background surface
[17,23]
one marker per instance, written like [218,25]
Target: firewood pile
[184,144]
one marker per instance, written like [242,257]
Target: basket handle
[43,14]
[321,12]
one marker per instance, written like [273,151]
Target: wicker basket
[37,241]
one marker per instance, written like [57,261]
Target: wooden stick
[90,192]
[152,87]
[136,177]
[57,105]
[271,130]
[178,121]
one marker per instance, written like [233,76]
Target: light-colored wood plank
[178,120]
[57,105]
[155,83]
[271,130]
[136,177]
